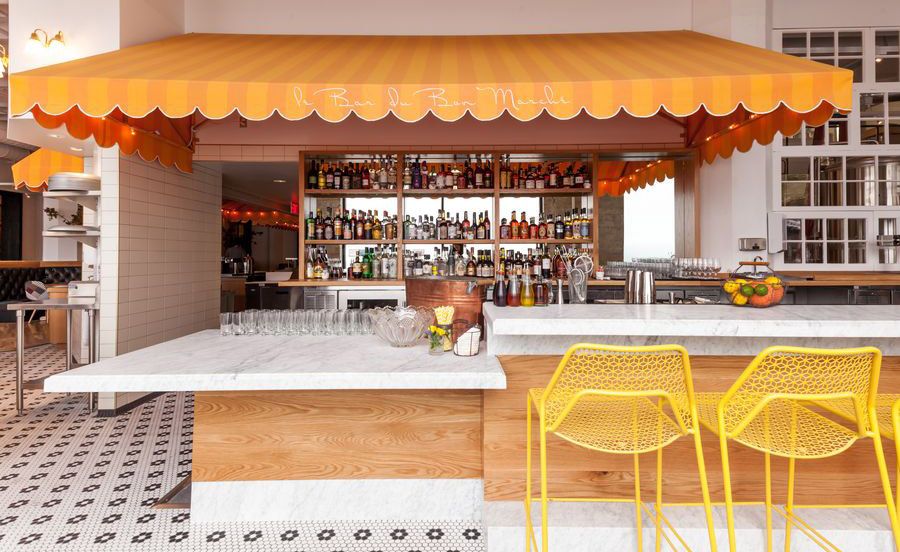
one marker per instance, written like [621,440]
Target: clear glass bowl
[401,326]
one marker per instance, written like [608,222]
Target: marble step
[589,527]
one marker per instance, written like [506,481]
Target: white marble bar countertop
[708,321]
[207,361]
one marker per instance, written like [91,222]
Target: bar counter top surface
[208,361]
[703,329]
[698,320]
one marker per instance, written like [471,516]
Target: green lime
[762,289]
[747,289]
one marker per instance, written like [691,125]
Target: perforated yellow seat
[607,424]
[778,406]
[620,400]
[783,428]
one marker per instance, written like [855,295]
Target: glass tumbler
[248,322]
[226,323]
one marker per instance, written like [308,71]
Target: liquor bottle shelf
[351,242]
[536,192]
[317,192]
[550,241]
[448,242]
[466,192]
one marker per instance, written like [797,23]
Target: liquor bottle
[311,226]
[479,175]
[416,176]
[499,295]
[487,226]
[546,264]
[347,177]
[376,227]
[512,291]
[388,179]
[322,179]
[513,227]
[407,177]
[328,226]
[489,176]
[312,179]
[526,296]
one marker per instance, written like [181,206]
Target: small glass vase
[435,346]
[447,338]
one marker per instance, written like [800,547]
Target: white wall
[810,14]
[147,20]
[89,26]
[733,192]
[160,251]
[414,17]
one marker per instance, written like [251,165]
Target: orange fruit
[762,300]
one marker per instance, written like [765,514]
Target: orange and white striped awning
[619,176]
[34,171]
[699,79]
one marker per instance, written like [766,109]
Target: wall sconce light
[4,61]
[40,38]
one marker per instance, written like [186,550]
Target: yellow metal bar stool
[887,413]
[619,400]
[770,409]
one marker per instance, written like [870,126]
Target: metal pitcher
[640,287]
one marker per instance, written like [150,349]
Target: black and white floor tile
[73,482]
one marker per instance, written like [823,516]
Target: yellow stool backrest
[589,371]
[839,379]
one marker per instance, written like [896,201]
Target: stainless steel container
[640,287]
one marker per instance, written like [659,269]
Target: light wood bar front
[850,478]
[282,435]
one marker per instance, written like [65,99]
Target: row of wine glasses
[296,322]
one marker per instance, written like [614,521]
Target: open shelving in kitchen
[476,183]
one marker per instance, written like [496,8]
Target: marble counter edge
[310,381]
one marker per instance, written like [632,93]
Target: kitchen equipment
[369,298]
[401,326]
[640,287]
[73,182]
[465,294]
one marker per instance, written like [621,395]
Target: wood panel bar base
[849,478]
[321,455]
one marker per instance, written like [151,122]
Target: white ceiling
[254,183]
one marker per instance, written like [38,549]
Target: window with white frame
[836,188]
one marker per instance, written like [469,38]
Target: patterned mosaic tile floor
[72,482]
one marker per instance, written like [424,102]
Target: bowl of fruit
[756,289]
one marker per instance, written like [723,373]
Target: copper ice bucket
[462,293]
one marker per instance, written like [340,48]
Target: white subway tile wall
[160,265]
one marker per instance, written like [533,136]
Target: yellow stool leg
[704,487]
[789,504]
[768,468]
[545,539]
[529,528]
[726,476]
[886,486]
[658,499]
[637,503]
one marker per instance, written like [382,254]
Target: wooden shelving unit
[315,192]
[465,192]
[351,242]
[543,192]
[400,159]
